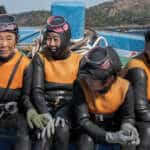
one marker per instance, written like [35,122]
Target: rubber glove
[49,129]
[119,137]
[132,132]
[33,119]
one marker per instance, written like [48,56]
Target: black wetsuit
[139,79]
[94,126]
[14,125]
[46,92]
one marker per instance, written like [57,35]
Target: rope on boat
[28,36]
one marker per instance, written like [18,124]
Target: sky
[17,6]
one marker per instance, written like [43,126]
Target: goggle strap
[7,27]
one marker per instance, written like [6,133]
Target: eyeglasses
[57,24]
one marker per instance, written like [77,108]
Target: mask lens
[6,19]
[7,23]
[57,24]
[55,21]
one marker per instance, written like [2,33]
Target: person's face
[53,43]
[7,43]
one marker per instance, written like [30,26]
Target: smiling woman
[15,81]
[8,37]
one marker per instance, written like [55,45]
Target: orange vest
[108,102]
[6,70]
[137,63]
[61,71]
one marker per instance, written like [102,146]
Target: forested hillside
[116,13]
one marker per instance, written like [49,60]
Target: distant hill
[117,13]
[33,18]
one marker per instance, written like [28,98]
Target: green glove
[34,119]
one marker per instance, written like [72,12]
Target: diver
[138,73]
[54,70]
[103,101]
[16,111]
